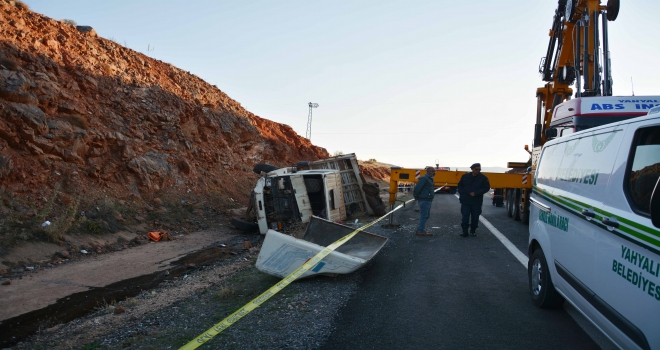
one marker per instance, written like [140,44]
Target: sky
[410,83]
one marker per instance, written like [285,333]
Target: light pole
[308,134]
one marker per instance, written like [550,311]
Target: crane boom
[573,55]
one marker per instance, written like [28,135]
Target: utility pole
[308,134]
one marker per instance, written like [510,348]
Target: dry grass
[77,120]
[69,22]
[21,5]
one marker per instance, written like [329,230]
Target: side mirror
[655,205]
[551,133]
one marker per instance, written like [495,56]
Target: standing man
[423,194]
[471,189]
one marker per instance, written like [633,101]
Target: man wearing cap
[471,189]
[423,194]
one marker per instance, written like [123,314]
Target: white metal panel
[300,192]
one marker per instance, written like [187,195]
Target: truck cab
[286,197]
[586,112]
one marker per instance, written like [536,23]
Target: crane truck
[574,56]
[578,55]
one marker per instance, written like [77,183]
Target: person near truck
[423,194]
[471,189]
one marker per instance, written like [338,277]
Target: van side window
[643,168]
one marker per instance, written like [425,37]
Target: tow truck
[573,57]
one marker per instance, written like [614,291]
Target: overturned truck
[332,189]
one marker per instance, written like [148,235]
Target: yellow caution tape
[256,302]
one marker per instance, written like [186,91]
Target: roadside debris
[281,254]
[159,235]
[246,244]
[6,282]
[283,198]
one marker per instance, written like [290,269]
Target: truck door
[302,199]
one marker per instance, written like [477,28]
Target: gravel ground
[299,317]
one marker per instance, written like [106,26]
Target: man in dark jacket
[471,189]
[423,194]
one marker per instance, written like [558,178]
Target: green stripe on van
[636,225]
[570,205]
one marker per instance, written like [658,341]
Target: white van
[594,237]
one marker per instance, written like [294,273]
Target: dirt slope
[375,171]
[95,136]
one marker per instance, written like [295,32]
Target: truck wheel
[542,290]
[245,225]
[516,204]
[523,212]
[258,168]
[509,203]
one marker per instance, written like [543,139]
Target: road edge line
[505,241]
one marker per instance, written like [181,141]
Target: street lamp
[308,134]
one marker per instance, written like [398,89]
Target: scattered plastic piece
[46,223]
[83,251]
[158,235]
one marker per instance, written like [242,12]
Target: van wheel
[266,168]
[543,292]
[245,225]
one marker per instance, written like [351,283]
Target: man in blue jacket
[471,189]
[423,194]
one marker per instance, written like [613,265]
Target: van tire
[541,289]
[245,225]
[266,168]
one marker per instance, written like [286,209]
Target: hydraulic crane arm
[573,55]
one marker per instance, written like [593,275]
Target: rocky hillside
[375,171]
[88,124]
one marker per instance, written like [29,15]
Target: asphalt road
[451,292]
